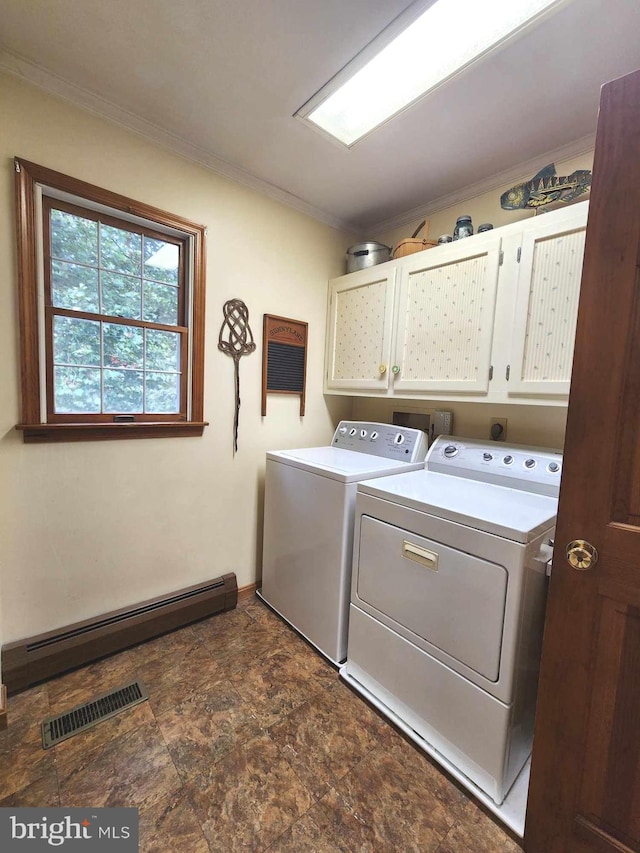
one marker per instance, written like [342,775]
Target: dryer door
[448,598]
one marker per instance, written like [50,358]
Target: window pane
[120,295]
[162,393]
[163,350]
[76,390]
[161,260]
[120,250]
[75,287]
[74,238]
[123,346]
[76,341]
[122,391]
[160,303]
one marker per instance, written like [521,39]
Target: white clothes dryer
[448,601]
[308,524]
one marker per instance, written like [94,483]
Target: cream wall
[541,426]
[89,527]
[481,208]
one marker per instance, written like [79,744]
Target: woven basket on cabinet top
[409,246]
[414,244]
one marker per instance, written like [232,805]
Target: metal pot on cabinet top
[363,255]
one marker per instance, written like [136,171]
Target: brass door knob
[581,555]
[382,369]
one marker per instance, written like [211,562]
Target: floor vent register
[57,729]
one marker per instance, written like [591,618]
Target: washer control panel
[386,440]
[532,469]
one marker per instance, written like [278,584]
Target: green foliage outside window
[110,367]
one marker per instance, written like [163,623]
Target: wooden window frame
[37,428]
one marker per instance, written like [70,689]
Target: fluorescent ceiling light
[446,38]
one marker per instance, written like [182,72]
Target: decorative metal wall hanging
[284,358]
[546,187]
[240,342]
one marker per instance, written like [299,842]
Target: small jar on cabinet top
[464,228]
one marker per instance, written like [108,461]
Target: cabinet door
[546,307]
[359,329]
[445,317]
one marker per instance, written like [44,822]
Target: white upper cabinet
[488,318]
[359,329]
[546,307]
[444,325]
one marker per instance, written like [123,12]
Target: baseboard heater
[26,662]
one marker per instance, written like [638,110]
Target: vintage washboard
[284,358]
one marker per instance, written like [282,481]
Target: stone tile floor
[249,742]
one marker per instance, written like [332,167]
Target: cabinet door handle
[414,552]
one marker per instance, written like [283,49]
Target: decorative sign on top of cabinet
[488,318]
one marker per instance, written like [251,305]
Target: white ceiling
[220,80]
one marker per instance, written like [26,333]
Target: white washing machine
[448,601]
[308,524]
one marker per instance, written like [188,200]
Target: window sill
[47,433]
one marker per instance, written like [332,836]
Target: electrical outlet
[498,429]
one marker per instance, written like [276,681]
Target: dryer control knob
[553,467]
[353,431]
[398,438]
[529,463]
[508,460]
[363,433]
[373,435]
[342,430]
[487,457]
[450,451]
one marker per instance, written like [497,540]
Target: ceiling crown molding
[36,75]
[32,73]
[515,174]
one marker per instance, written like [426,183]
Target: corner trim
[3,707]
[246,592]
[38,76]
[520,172]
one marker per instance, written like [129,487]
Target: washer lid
[344,465]
[510,513]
